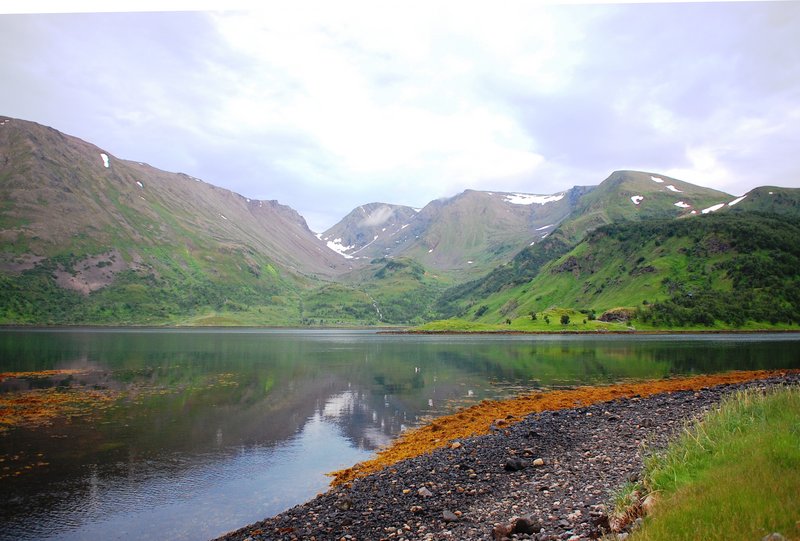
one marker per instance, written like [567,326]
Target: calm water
[214,429]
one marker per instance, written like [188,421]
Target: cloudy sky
[328,105]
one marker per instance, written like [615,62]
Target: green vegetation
[733,475]
[387,292]
[726,271]
[523,268]
[551,320]
[184,291]
[336,304]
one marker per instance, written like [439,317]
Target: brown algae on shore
[40,398]
[478,419]
[41,406]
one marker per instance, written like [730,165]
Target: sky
[325,106]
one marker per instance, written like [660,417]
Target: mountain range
[89,238]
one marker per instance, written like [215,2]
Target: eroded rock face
[92,273]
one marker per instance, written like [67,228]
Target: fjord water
[211,430]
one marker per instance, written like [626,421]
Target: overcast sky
[328,105]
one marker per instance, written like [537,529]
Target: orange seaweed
[477,420]
[40,407]
[41,373]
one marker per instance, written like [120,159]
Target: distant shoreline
[391,330]
[601,332]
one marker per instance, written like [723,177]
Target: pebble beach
[545,475]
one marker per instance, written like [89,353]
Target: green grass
[733,475]
[546,321]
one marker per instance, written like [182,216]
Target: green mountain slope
[636,195]
[728,268]
[88,238]
[623,196]
[768,199]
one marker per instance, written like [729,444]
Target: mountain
[467,234]
[356,235]
[623,196]
[85,236]
[732,268]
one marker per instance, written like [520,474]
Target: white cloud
[326,106]
[704,168]
[388,94]
[377,217]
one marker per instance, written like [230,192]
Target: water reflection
[215,429]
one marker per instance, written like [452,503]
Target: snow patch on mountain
[529,199]
[337,246]
[737,200]
[636,199]
[714,208]
[105,159]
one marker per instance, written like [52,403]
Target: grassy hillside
[726,269]
[769,199]
[88,238]
[624,196]
[636,195]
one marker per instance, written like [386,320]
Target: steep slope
[727,267]
[77,220]
[467,234]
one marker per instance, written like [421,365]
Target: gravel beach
[555,469]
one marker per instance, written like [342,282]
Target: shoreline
[381,329]
[597,332]
[487,415]
[554,457]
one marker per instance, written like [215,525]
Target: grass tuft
[733,475]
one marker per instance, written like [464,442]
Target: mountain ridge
[465,234]
[111,199]
[86,237]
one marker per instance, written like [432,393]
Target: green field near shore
[733,475]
